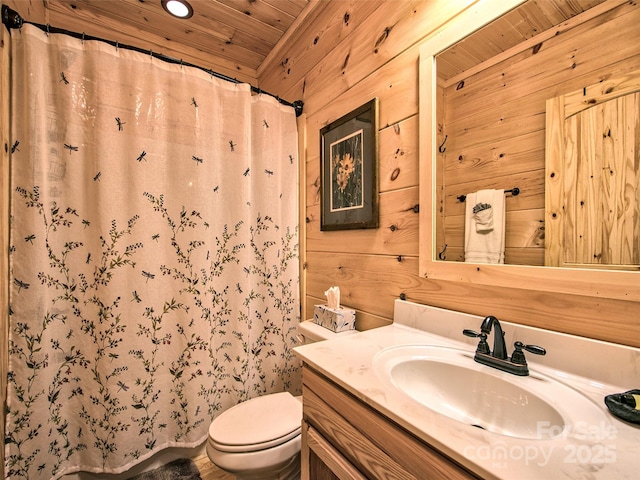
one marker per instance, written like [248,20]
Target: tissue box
[336,319]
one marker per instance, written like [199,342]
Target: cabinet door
[321,461]
[363,439]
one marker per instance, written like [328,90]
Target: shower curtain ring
[116,45]
[82,38]
[47,29]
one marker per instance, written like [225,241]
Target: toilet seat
[268,463]
[257,424]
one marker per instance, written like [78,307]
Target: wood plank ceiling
[515,27]
[232,37]
[238,37]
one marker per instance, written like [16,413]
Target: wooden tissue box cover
[336,319]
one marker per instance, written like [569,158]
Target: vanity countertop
[607,449]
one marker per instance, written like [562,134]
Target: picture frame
[349,170]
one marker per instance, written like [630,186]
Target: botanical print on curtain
[154,254]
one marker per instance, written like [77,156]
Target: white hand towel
[485,228]
[483,216]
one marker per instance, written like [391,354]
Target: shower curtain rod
[12,19]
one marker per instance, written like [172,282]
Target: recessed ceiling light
[177,8]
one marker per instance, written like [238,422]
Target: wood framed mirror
[605,283]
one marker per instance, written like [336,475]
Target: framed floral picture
[349,170]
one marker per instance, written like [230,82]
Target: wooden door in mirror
[592,177]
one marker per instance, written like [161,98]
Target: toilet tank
[310,332]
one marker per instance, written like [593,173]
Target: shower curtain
[154,262]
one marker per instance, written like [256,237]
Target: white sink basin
[450,382]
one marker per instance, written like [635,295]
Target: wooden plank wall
[352,52]
[494,120]
[348,53]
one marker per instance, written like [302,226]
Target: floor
[208,471]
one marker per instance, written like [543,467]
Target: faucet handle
[483,346]
[472,333]
[518,354]
[535,349]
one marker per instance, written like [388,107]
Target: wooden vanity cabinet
[343,438]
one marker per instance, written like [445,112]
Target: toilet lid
[259,423]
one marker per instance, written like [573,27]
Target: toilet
[260,439]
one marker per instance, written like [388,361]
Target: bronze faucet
[499,359]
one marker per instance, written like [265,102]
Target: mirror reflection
[494,167]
